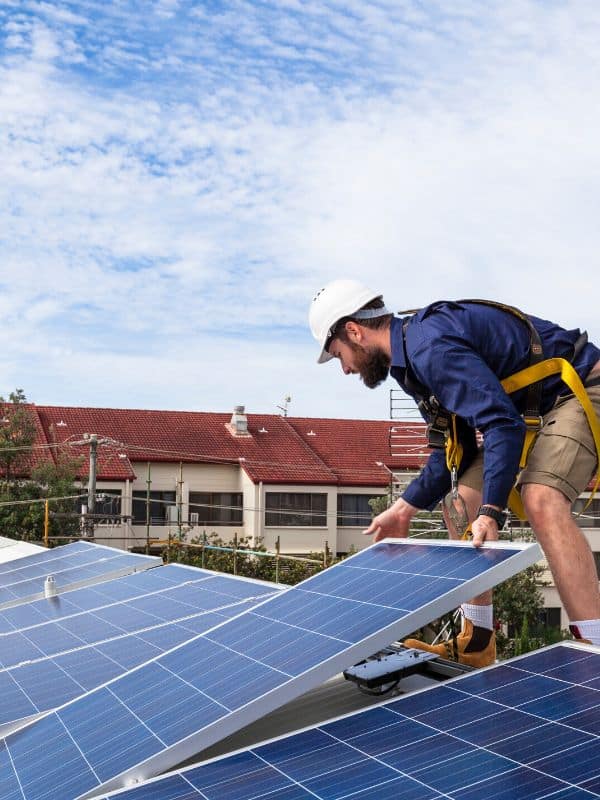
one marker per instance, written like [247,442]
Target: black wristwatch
[490,511]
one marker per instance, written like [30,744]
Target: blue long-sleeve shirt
[460,352]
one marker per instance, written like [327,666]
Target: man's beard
[373,364]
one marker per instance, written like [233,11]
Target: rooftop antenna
[286,401]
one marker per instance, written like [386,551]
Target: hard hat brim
[324,357]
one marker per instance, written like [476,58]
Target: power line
[33,501]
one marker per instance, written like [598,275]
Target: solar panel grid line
[266,763]
[57,636]
[237,680]
[123,634]
[524,779]
[19,618]
[155,592]
[86,574]
[8,724]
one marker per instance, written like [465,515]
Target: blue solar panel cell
[9,784]
[588,720]
[402,750]
[50,774]
[561,704]
[450,775]
[548,740]
[256,661]
[91,666]
[15,702]
[491,729]
[578,763]
[524,690]
[518,784]
[46,685]
[128,738]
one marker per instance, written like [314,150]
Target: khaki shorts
[563,455]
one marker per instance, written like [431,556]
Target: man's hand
[484,528]
[394,521]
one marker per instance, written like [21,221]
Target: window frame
[218,506]
[295,517]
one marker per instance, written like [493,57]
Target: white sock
[482,616]
[587,629]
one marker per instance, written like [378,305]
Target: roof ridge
[313,453]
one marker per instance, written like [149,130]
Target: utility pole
[148,485]
[180,501]
[93,442]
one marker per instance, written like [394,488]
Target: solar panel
[178,704]
[526,729]
[199,590]
[72,565]
[181,613]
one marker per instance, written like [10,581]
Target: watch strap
[490,511]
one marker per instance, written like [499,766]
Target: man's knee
[543,504]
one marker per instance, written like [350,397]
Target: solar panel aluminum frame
[525,555]
[115,794]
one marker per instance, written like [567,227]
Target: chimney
[238,424]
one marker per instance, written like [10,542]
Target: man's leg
[472,500]
[568,553]
[561,463]
[476,643]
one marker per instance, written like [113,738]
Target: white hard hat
[341,298]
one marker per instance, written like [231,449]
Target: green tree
[17,434]
[22,499]
[518,604]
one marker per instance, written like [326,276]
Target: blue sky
[179,178]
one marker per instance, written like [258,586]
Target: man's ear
[354,331]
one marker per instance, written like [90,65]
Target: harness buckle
[533,422]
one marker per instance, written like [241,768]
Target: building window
[353,510]
[159,505]
[295,509]
[108,504]
[590,518]
[216,508]
[549,617]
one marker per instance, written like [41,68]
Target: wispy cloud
[179,177]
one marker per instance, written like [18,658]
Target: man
[451,357]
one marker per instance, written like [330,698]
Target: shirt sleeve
[467,387]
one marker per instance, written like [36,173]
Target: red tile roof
[284,450]
[279,449]
[272,453]
[357,451]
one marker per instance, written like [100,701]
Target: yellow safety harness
[442,429]
[513,383]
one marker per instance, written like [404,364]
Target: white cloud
[194,178]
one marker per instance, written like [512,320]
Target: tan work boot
[466,655]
